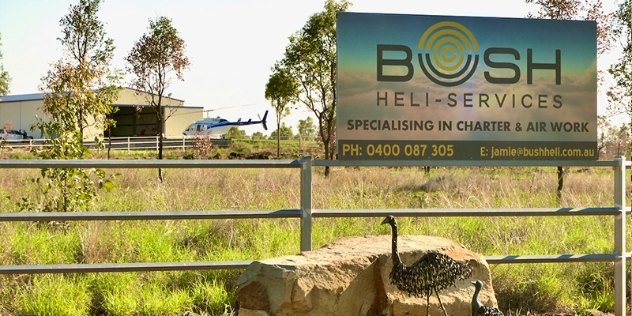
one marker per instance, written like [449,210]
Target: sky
[231,44]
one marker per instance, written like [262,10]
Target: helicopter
[217,127]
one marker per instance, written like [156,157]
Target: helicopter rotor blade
[228,107]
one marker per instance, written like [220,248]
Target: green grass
[520,288]
[53,295]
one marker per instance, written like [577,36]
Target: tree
[311,58]
[258,135]
[281,89]
[79,92]
[235,133]
[152,59]
[306,129]
[4,76]
[620,95]
[286,133]
[86,87]
[613,140]
[575,9]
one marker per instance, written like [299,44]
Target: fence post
[128,145]
[306,203]
[620,283]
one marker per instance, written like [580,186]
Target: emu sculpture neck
[476,304]
[397,261]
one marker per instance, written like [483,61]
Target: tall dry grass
[520,288]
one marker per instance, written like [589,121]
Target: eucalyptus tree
[258,135]
[576,9]
[620,94]
[4,76]
[281,90]
[284,132]
[81,87]
[235,133]
[79,91]
[311,59]
[306,129]
[152,60]
[613,140]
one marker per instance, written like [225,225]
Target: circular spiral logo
[449,57]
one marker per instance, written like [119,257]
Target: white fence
[142,143]
[123,143]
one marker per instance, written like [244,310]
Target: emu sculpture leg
[428,304]
[441,304]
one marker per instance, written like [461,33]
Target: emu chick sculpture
[433,272]
[478,308]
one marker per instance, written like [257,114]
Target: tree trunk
[560,184]
[278,140]
[327,156]
[109,140]
[160,126]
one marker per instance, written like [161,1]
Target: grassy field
[521,289]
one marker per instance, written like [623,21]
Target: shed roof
[40,96]
[22,97]
[184,106]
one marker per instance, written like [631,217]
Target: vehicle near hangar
[11,135]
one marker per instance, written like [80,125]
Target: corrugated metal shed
[19,111]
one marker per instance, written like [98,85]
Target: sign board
[441,87]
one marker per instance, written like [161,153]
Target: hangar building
[18,112]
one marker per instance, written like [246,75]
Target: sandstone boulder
[351,277]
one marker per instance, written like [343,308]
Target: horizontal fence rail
[297,213]
[479,212]
[602,257]
[306,214]
[124,267]
[145,216]
[131,164]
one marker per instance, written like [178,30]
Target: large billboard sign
[442,87]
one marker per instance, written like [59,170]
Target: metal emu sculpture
[433,272]
[478,308]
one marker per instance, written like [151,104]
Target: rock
[351,277]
